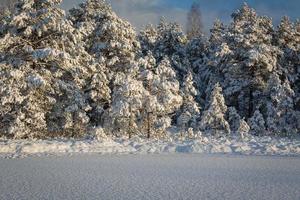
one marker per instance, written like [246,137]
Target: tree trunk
[250,107]
[148,125]
[182,131]
[130,123]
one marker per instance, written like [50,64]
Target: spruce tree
[213,119]
[189,112]
[257,124]
[281,114]
[238,125]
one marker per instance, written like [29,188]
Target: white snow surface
[248,146]
[154,176]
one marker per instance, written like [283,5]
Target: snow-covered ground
[248,146]
[176,176]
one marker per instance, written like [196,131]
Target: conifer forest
[86,71]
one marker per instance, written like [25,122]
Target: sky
[143,12]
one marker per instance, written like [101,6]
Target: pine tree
[196,52]
[243,129]
[197,55]
[246,72]
[148,38]
[162,98]
[23,115]
[233,119]
[237,124]
[5,15]
[189,113]
[211,72]
[127,103]
[147,66]
[112,44]
[170,39]
[281,118]
[217,34]
[213,119]
[98,93]
[296,87]
[39,49]
[105,34]
[167,40]
[257,124]
[216,52]
[286,35]
[287,38]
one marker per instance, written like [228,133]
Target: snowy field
[250,145]
[177,176]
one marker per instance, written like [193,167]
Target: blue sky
[141,12]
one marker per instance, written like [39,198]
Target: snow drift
[248,146]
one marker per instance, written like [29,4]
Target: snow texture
[151,177]
[250,145]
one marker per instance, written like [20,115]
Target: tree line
[69,74]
